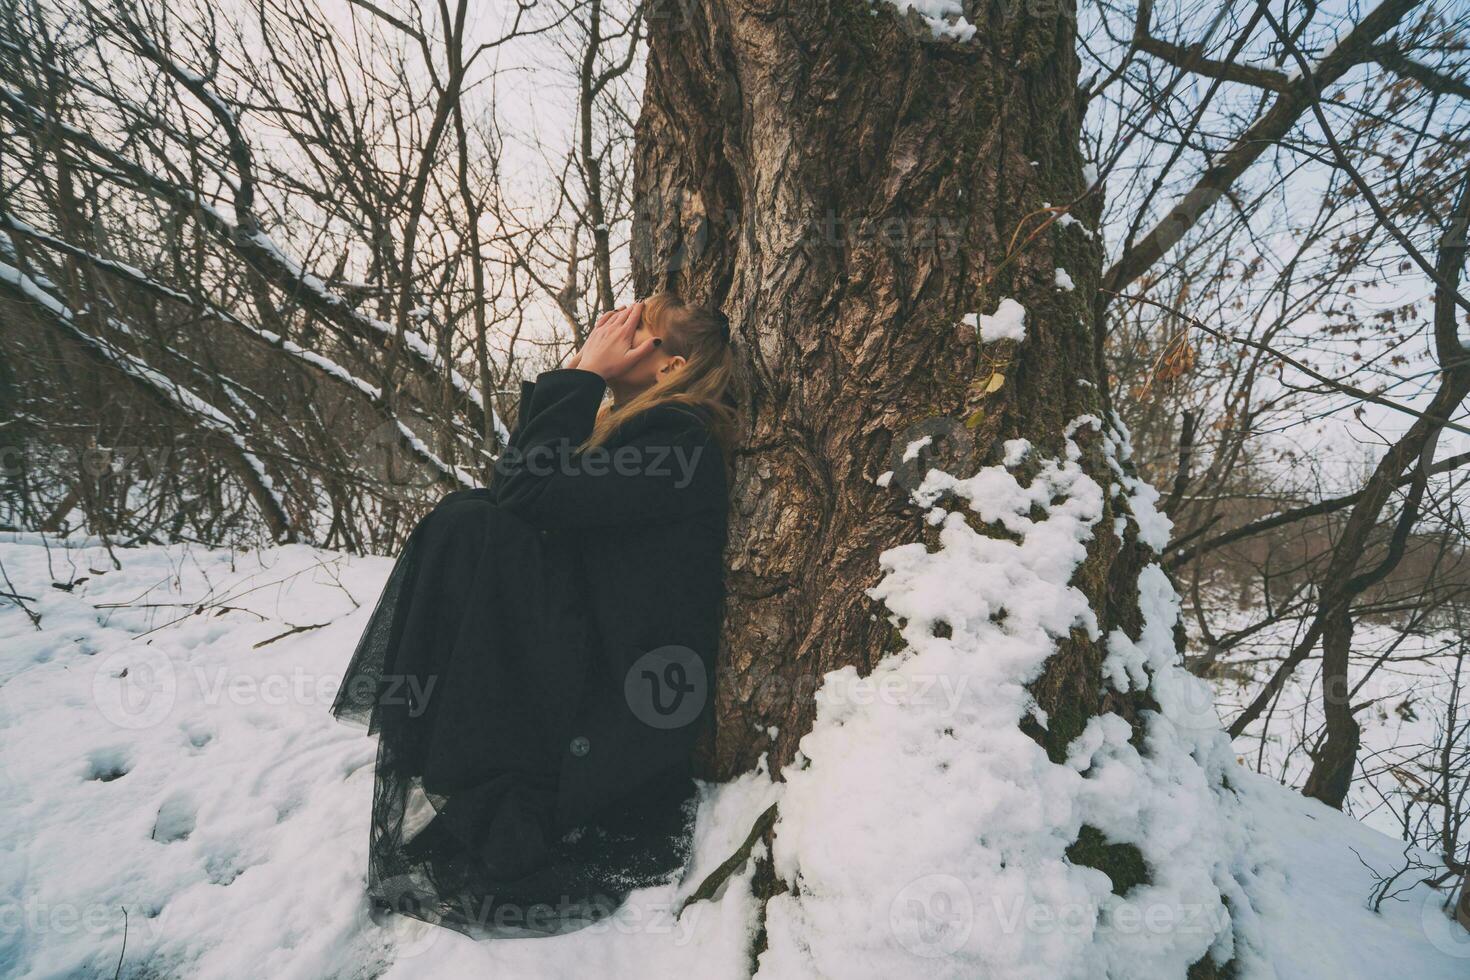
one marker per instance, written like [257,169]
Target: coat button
[581,745]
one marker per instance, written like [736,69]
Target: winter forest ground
[177,800]
[210,819]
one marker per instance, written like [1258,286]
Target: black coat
[560,625]
[541,659]
[633,534]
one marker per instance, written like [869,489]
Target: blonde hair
[702,337]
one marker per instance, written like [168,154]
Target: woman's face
[656,367]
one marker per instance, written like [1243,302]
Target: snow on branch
[272,262]
[325,366]
[163,390]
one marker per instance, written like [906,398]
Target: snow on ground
[1314,912]
[171,780]
[1402,729]
[168,765]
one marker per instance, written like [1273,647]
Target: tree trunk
[847,188]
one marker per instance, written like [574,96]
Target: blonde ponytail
[702,337]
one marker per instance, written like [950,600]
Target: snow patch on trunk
[946,18]
[1008,322]
[927,831]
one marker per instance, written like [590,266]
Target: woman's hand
[577,356]
[609,351]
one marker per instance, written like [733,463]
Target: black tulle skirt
[470,672]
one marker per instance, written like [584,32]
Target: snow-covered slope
[208,794]
[171,783]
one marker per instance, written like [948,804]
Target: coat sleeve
[663,466]
[523,411]
[523,415]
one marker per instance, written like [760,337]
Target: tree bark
[847,188]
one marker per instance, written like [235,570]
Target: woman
[541,661]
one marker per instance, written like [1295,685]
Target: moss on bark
[1122,863]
